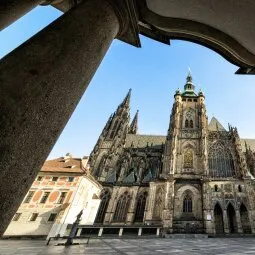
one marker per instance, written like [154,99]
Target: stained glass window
[188,159]
[220,161]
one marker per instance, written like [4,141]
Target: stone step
[186,236]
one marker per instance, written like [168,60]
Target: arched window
[191,123]
[186,123]
[188,159]
[216,188]
[121,210]
[187,204]
[105,198]
[239,188]
[97,171]
[140,207]
[220,161]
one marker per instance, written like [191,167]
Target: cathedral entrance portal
[218,220]
[231,219]
[245,219]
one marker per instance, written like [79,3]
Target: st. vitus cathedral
[196,179]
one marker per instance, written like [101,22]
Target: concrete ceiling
[226,26]
[235,18]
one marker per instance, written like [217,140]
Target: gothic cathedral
[196,179]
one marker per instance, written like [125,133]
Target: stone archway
[232,225]
[218,219]
[245,219]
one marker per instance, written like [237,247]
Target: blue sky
[153,72]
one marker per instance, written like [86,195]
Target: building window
[39,178]
[188,159]
[187,204]
[52,217]
[105,198]
[220,161]
[54,179]
[195,100]
[121,210]
[240,188]
[70,179]
[34,216]
[62,197]
[141,202]
[216,188]
[189,100]
[191,123]
[186,123]
[29,196]
[44,197]
[16,216]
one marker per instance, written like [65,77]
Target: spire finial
[127,98]
[189,76]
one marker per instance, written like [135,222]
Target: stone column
[41,83]
[225,222]
[250,213]
[11,10]
[131,209]
[120,231]
[100,231]
[238,222]
[150,202]
[79,232]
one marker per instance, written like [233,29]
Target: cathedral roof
[215,125]
[141,141]
[250,143]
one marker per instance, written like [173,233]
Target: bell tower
[185,149]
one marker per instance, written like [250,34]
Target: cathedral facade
[196,179]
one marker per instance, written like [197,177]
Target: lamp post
[74,229]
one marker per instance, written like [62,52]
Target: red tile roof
[64,165]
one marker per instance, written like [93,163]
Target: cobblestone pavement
[214,246]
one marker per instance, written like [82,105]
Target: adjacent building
[63,188]
[198,178]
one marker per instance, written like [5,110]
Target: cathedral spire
[126,100]
[133,127]
[189,86]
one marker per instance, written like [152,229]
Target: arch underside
[164,28]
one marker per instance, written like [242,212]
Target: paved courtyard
[215,246]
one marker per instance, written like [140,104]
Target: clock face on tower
[189,114]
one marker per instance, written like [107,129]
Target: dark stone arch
[186,123]
[187,203]
[105,198]
[218,219]
[122,207]
[140,207]
[232,225]
[245,221]
[198,32]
